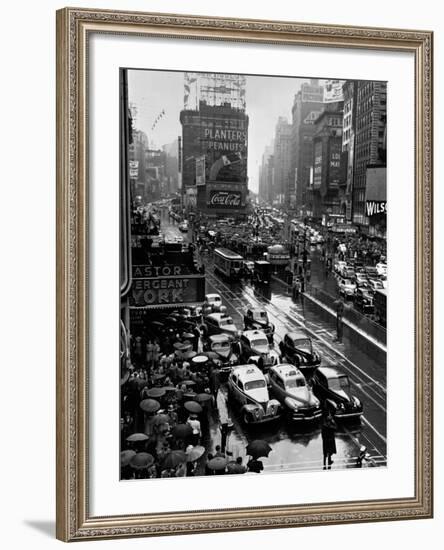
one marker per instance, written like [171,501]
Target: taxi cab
[219,323]
[247,387]
[288,385]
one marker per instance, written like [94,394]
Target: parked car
[360,279]
[364,300]
[255,348]
[288,385]
[247,387]
[257,318]
[371,271]
[213,304]
[381,268]
[332,387]
[297,348]
[375,284]
[219,323]
[346,287]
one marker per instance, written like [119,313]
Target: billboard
[226,196]
[172,290]
[376,191]
[333,91]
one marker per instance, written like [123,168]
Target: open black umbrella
[193,407]
[217,463]
[126,456]
[195,453]
[182,431]
[149,405]
[199,359]
[174,458]
[258,448]
[155,392]
[137,437]
[140,461]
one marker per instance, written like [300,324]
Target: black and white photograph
[253,274]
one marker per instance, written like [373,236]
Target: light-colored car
[212,303]
[346,287]
[288,385]
[375,284]
[255,348]
[381,268]
[219,323]
[247,387]
[339,265]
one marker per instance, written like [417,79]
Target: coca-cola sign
[225,199]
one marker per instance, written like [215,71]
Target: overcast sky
[267,98]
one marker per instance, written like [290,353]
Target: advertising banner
[164,292]
[226,196]
[376,191]
[200,170]
[133,169]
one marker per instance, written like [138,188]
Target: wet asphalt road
[298,447]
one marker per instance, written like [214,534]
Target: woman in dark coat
[328,440]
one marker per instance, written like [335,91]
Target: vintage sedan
[219,323]
[363,300]
[332,387]
[248,389]
[346,287]
[213,304]
[288,385]
[222,350]
[297,349]
[255,348]
[257,319]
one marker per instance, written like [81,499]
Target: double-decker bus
[228,263]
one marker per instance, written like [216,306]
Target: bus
[380,304]
[228,263]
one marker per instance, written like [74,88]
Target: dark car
[364,300]
[257,319]
[332,387]
[222,350]
[262,272]
[297,349]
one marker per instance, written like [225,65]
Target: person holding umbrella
[194,423]
[255,465]
[328,440]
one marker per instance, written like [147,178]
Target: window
[254,384]
[295,383]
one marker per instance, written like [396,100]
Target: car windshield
[220,346]
[294,383]
[214,299]
[226,321]
[339,383]
[254,384]
[347,282]
[303,343]
[260,315]
[259,342]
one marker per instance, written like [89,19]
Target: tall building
[265,174]
[282,157]
[348,142]
[328,170]
[214,144]
[370,141]
[307,106]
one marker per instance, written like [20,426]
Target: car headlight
[291,403]
[356,401]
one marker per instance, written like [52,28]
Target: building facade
[370,147]
[282,160]
[214,147]
[307,106]
[328,170]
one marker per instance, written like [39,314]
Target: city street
[301,447]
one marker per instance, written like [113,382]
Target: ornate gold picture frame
[74,519]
